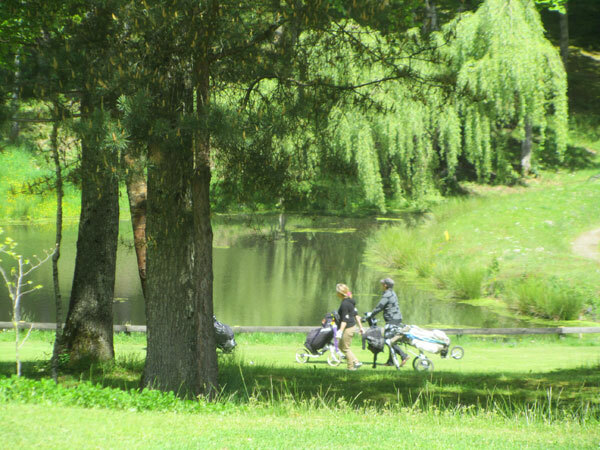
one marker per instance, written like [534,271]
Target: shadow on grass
[443,389]
[312,383]
[584,83]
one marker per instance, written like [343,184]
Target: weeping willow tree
[398,150]
[389,120]
[400,129]
[510,79]
[509,82]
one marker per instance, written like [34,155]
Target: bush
[548,298]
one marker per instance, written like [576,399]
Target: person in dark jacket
[349,321]
[392,316]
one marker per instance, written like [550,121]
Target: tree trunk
[171,311]
[431,23]
[14,127]
[564,36]
[88,330]
[203,240]
[179,263]
[526,145]
[58,240]
[137,190]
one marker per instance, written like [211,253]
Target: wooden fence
[449,331]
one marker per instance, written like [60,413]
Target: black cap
[388,282]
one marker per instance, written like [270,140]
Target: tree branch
[256,39]
[39,119]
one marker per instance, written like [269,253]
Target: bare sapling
[18,286]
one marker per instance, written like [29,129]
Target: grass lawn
[541,392]
[50,426]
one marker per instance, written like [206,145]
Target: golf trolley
[431,341]
[320,341]
[334,356]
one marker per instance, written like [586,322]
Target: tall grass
[262,379]
[244,386]
[417,250]
[584,130]
[403,248]
[463,280]
[546,297]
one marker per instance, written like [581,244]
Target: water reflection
[269,270]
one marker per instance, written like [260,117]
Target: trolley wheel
[334,360]
[457,352]
[422,364]
[302,355]
[415,361]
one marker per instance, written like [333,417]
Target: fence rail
[305,329]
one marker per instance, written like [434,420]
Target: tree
[287,95]
[446,101]
[62,48]
[499,94]
[56,157]
[189,55]
[18,286]
[86,43]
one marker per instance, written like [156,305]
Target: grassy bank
[26,185]
[505,393]
[27,188]
[493,243]
[510,248]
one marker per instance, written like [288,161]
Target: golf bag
[372,338]
[332,318]
[432,341]
[318,338]
[224,337]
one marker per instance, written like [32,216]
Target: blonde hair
[344,290]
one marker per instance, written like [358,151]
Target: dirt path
[587,245]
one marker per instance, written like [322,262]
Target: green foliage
[554,5]
[509,76]
[405,130]
[547,297]
[339,114]
[88,395]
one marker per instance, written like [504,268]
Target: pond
[269,270]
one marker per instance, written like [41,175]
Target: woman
[349,320]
